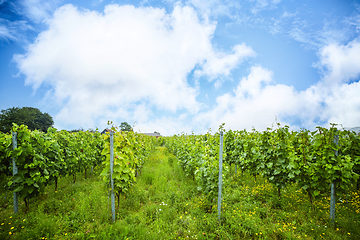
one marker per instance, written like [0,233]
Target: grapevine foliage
[312,160]
[44,157]
[130,151]
[36,158]
[198,155]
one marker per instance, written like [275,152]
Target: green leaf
[118,168]
[17,178]
[19,188]
[125,177]
[30,189]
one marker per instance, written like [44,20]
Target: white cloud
[251,86]
[340,86]
[209,8]
[6,33]
[341,63]
[258,100]
[214,8]
[354,21]
[142,112]
[289,14]
[98,64]
[263,4]
[38,10]
[13,30]
[219,63]
[254,103]
[334,29]
[35,10]
[97,3]
[307,39]
[343,105]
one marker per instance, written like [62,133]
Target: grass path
[163,204]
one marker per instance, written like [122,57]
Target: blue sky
[183,66]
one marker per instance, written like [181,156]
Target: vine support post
[332,203]
[333,189]
[235,163]
[220,174]
[15,171]
[111,175]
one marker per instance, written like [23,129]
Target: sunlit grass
[164,204]
[262,214]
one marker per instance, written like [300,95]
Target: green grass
[164,204]
[257,211]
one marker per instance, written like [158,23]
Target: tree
[77,130]
[29,116]
[124,126]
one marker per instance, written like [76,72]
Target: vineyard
[276,183]
[41,158]
[312,160]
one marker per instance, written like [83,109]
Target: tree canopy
[124,126]
[29,116]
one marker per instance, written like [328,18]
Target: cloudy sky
[182,66]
